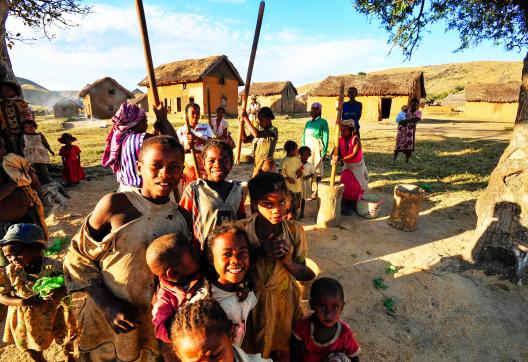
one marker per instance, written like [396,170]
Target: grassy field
[447,164]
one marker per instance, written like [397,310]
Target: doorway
[386,104]
[178,104]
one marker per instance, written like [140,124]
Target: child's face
[161,169]
[293,153]
[186,270]
[231,258]
[305,156]
[220,113]
[413,105]
[21,255]
[328,309]
[346,131]
[217,164]
[273,206]
[194,116]
[29,128]
[264,122]
[289,214]
[202,346]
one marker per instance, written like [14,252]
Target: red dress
[71,166]
[312,351]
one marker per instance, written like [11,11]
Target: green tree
[41,15]
[502,209]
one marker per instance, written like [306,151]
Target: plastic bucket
[369,206]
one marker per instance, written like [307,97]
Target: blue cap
[24,233]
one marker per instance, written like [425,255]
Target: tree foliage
[504,22]
[44,15]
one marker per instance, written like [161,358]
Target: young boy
[307,176]
[107,259]
[291,169]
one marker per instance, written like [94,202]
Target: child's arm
[162,311]
[355,150]
[242,118]
[300,271]
[46,144]
[162,123]
[256,133]
[32,301]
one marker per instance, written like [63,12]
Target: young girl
[214,200]
[354,175]
[200,133]
[307,177]
[32,322]
[291,168]
[280,262]
[227,252]
[107,258]
[205,335]
[323,336]
[406,136]
[72,172]
[36,148]
[220,127]
[265,136]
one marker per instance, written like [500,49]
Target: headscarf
[348,123]
[18,168]
[126,117]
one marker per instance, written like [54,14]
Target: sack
[369,206]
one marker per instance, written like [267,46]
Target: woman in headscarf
[128,133]
[406,136]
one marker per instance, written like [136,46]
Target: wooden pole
[337,130]
[146,51]
[248,77]
[208,91]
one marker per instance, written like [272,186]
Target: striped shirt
[127,173]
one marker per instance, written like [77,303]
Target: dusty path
[441,313]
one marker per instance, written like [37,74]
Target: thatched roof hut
[397,84]
[189,70]
[66,107]
[492,101]
[506,92]
[382,95]
[269,88]
[98,82]
[141,100]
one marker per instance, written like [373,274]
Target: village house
[382,95]
[66,107]
[492,101]
[455,101]
[103,97]
[279,96]
[186,81]
[140,99]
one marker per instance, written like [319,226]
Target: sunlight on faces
[231,258]
[161,169]
[273,206]
[327,309]
[202,346]
[22,255]
[194,116]
[217,164]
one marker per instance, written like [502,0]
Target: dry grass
[448,164]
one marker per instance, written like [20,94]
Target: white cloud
[108,43]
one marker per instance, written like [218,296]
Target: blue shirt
[352,110]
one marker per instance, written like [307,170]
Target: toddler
[72,172]
[36,148]
[323,336]
[291,168]
[307,176]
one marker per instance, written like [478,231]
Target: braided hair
[203,315]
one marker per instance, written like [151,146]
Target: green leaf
[391,270]
[389,304]
[379,283]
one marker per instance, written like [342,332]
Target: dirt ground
[443,311]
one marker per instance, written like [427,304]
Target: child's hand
[120,315]
[191,141]
[299,172]
[32,301]
[289,179]
[160,111]
[242,116]
[56,294]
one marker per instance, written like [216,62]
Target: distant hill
[442,79]
[35,94]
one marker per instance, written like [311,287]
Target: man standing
[352,109]
[254,107]
[315,136]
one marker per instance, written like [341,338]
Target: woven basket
[369,206]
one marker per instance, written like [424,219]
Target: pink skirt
[353,190]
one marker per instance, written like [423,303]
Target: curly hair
[193,105]
[167,142]
[265,183]
[221,145]
[326,287]
[204,315]
[224,228]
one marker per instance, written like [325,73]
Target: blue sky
[301,41]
